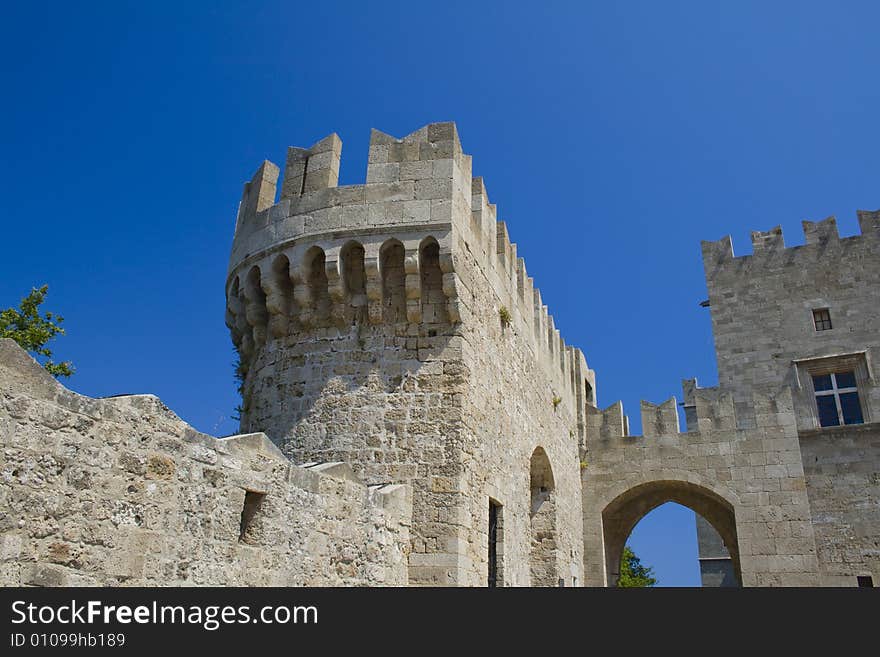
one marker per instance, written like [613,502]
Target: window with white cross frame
[837,399]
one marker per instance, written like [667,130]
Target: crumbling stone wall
[120,491]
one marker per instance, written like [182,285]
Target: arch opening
[279,301]
[622,515]
[233,312]
[255,305]
[543,549]
[354,280]
[316,279]
[240,329]
[391,264]
[433,299]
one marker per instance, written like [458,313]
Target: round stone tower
[342,300]
[367,320]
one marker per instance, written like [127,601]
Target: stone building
[411,415]
[392,326]
[807,318]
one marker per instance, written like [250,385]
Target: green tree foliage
[633,573]
[239,384]
[32,332]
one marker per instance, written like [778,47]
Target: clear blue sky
[613,137]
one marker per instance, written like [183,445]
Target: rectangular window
[865,581]
[822,319]
[252,503]
[495,542]
[837,399]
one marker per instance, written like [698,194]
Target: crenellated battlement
[311,169]
[747,483]
[769,249]
[608,423]
[659,419]
[409,182]
[707,410]
[386,252]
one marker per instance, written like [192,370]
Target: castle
[412,416]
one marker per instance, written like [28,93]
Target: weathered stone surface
[407,371]
[765,334]
[762,314]
[719,472]
[390,334]
[121,491]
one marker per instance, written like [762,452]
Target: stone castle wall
[345,335]
[762,307]
[516,368]
[748,484]
[120,491]
[762,318]
[369,323]
[842,468]
[401,377]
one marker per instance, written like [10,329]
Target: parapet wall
[768,247]
[120,491]
[706,410]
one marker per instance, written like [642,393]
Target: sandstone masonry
[794,316]
[120,491]
[411,415]
[392,326]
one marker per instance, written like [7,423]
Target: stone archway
[622,514]
[543,550]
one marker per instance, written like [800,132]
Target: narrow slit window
[253,501]
[822,319]
[495,578]
[837,399]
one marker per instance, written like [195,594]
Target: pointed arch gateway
[543,548]
[623,513]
